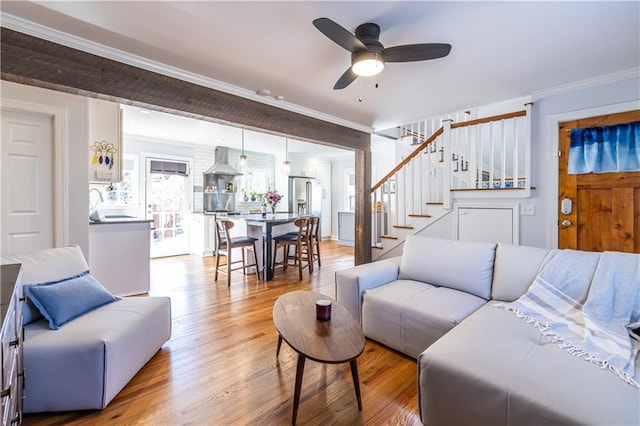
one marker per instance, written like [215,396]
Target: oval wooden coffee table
[333,342]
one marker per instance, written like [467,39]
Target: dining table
[259,225]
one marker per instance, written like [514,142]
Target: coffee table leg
[296,393]
[279,344]
[356,382]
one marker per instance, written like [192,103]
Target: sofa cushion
[45,266]
[465,266]
[64,300]
[431,314]
[409,315]
[503,371]
[515,268]
[382,310]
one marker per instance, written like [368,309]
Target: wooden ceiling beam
[37,62]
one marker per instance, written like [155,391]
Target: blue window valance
[605,149]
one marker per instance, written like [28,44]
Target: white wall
[76,189]
[383,157]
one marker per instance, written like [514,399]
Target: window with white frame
[127,192]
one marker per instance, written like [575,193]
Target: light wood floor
[220,368]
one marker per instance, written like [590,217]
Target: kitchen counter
[120,219]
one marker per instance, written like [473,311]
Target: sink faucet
[95,215]
[99,195]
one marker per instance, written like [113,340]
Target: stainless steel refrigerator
[305,196]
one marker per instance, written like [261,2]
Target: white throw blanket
[585,301]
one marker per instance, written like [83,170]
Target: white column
[527,150]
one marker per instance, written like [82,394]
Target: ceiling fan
[368,55]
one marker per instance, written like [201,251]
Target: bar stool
[314,240]
[300,241]
[225,245]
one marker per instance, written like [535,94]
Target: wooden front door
[605,207]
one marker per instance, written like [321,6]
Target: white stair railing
[474,154]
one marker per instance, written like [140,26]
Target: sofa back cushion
[45,266]
[515,269]
[465,266]
[49,264]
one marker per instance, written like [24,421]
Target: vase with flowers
[272,198]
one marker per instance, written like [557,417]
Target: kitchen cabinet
[346,228]
[105,141]
[12,385]
[202,233]
[119,254]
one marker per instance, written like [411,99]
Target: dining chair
[300,242]
[226,244]
[314,240]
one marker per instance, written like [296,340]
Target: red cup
[323,310]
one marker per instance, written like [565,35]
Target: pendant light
[242,163]
[286,164]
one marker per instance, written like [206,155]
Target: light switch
[527,209]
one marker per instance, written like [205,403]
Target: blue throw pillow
[64,300]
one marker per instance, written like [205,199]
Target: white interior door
[168,192]
[26,182]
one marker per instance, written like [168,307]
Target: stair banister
[400,165]
[498,117]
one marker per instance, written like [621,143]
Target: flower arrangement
[272,198]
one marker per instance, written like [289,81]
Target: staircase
[488,156]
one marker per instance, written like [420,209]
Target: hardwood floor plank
[220,366]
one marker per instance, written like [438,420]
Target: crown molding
[587,83]
[40,31]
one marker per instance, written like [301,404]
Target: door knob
[566,223]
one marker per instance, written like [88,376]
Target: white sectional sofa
[86,361]
[478,364]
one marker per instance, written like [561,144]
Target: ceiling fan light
[366,64]
[368,67]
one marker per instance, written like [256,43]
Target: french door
[168,195]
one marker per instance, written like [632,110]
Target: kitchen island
[262,227]
[119,253]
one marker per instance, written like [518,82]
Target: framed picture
[389,187]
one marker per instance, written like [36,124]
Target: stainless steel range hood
[221,163]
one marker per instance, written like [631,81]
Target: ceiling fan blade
[338,34]
[416,52]
[346,79]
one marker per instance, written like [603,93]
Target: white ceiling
[501,50]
